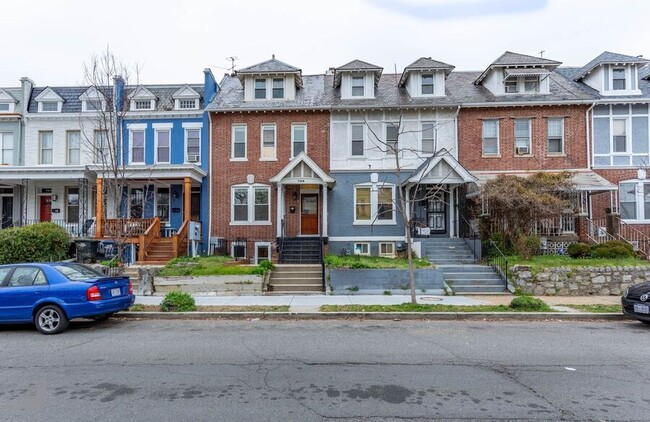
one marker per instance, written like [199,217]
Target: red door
[46,208]
[309,214]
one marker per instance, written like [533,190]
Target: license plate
[116,292]
[641,309]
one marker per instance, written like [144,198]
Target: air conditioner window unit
[193,158]
[522,150]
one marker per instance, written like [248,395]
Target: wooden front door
[46,208]
[309,214]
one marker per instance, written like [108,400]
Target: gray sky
[173,41]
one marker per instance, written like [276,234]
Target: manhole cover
[431,299]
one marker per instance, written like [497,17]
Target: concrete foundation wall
[349,281]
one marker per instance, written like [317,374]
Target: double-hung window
[511,86]
[634,198]
[7,148]
[5,107]
[358,86]
[278,88]
[555,133]
[357,140]
[490,137]
[374,204]
[298,138]
[49,106]
[268,143]
[391,138]
[428,138]
[74,147]
[46,139]
[260,89]
[137,147]
[619,135]
[163,146]
[102,148]
[239,142]
[522,136]
[192,145]
[618,78]
[251,204]
[427,84]
[531,84]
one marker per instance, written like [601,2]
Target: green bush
[579,250]
[529,304]
[178,302]
[41,242]
[527,246]
[613,249]
[267,265]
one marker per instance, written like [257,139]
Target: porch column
[187,194]
[325,193]
[452,212]
[99,208]
[278,209]
[407,200]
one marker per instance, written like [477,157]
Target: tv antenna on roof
[541,54]
[232,62]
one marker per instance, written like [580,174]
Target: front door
[46,208]
[7,211]
[309,214]
[437,213]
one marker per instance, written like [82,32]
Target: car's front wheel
[50,319]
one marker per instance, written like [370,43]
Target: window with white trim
[374,204]
[251,204]
[191,104]
[268,142]
[239,142]
[192,145]
[46,142]
[619,135]
[428,138]
[531,84]
[387,249]
[278,88]
[362,248]
[358,86]
[391,138]
[163,146]
[357,139]
[73,154]
[262,252]
[298,138]
[93,105]
[522,136]
[5,107]
[260,89]
[555,133]
[618,79]
[427,84]
[102,148]
[634,199]
[7,148]
[143,104]
[137,147]
[49,106]
[490,137]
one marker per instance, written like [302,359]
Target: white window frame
[142,127]
[250,205]
[363,140]
[178,102]
[624,69]
[293,138]
[363,86]
[156,203]
[528,79]
[374,205]
[639,192]
[548,138]
[98,152]
[628,136]
[145,192]
[266,88]
[395,148]
[509,82]
[273,126]
[273,88]
[41,109]
[186,128]
[433,139]
[490,154]
[3,138]
[266,245]
[232,143]
[135,101]
[68,149]
[40,147]
[529,142]
[432,84]
[86,109]
[387,254]
[11,106]
[157,128]
[362,245]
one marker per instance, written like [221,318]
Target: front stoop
[296,279]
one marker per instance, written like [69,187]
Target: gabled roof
[271,67]
[141,93]
[424,63]
[164,95]
[510,59]
[607,57]
[5,96]
[450,170]
[285,173]
[186,91]
[91,94]
[48,94]
[357,66]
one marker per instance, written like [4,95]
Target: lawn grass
[616,309]
[206,265]
[254,308]
[545,261]
[372,262]
[410,307]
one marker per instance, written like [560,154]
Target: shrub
[178,302]
[527,246]
[41,242]
[613,249]
[579,250]
[266,266]
[529,304]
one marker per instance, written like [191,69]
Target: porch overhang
[158,172]
[302,170]
[14,175]
[441,169]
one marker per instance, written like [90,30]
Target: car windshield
[77,272]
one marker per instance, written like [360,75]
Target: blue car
[50,295]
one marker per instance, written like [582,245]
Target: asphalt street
[155,370]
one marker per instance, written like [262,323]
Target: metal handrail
[629,234]
[281,245]
[322,263]
[499,263]
[473,234]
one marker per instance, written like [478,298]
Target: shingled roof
[271,67]
[357,66]
[164,95]
[70,95]
[607,57]
[425,63]
[510,59]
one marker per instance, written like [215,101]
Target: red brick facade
[226,173]
[470,140]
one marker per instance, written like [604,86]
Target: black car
[636,302]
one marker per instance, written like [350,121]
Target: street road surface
[144,370]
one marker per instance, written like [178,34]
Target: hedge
[41,242]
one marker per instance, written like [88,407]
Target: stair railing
[639,240]
[469,234]
[145,239]
[498,261]
[597,231]
[322,262]
[180,239]
[281,242]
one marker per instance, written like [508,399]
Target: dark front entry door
[437,213]
[7,211]
[309,214]
[46,208]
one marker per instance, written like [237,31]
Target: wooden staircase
[157,250]
[160,250]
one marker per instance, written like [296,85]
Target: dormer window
[531,84]
[618,78]
[358,86]
[188,104]
[49,106]
[7,102]
[94,105]
[427,84]
[143,104]
[278,87]
[260,89]
[511,86]
[6,107]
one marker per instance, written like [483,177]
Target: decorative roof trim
[302,158]
[142,93]
[48,94]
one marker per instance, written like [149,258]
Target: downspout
[210,187]
[455,202]
[589,140]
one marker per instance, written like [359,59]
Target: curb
[395,316]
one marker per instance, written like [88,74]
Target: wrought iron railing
[498,261]
[281,241]
[470,235]
[639,240]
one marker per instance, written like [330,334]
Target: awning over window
[514,73]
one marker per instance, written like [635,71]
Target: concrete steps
[296,279]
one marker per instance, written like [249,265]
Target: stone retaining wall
[578,281]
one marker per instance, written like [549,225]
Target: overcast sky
[173,41]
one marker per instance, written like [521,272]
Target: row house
[12,126]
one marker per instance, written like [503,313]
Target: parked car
[50,295]
[636,302]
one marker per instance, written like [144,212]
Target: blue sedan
[50,295]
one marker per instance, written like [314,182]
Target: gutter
[589,134]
